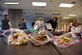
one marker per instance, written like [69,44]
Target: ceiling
[49,11]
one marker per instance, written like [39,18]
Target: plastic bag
[49,26]
[16,37]
[66,40]
[36,27]
[75,30]
[39,37]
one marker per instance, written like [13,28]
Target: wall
[65,24]
[1,15]
[29,23]
[79,20]
[15,16]
[59,23]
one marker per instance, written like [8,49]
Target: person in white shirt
[39,24]
[73,24]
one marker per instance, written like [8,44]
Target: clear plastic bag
[36,27]
[49,26]
[15,37]
[66,40]
[34,37]
[76,29]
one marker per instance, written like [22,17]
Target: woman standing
[73,24]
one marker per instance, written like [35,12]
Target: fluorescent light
[11,3]
[65,17]
[39,3]
[66,5]
[73,15]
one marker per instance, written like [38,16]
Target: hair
[41,18]
[74,22]
[23,19]
[56,18]
[79,24]
[5,16]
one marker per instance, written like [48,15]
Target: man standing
[6,23]
[22,24]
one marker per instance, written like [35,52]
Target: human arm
[10,24]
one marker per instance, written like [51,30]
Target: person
[6,23]
[22,24]
[53,22]
[33,24]
[39,24]
[73,24]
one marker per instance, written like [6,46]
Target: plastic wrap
[76,29]
[15,37]
[40,37]
[49,26]
[66,40]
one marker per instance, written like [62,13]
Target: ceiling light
[11,3]
[66,5]
[73,15]
[65,17]
[39,3]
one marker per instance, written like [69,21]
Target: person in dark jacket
[53,22]
[22,24]
[5,23]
